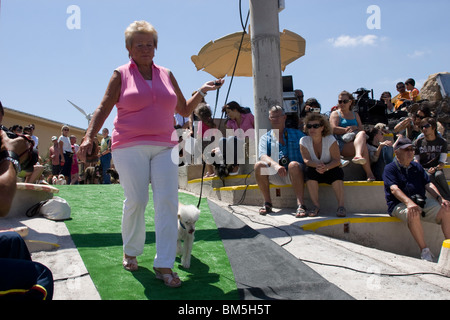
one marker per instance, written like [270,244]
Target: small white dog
[187,217]
[59,180]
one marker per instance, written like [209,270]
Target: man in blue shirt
[405,180]
[280,161]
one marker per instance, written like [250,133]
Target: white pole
[267,80]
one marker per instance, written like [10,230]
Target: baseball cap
[403,143]
[54,138]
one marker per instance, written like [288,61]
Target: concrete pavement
[363,273]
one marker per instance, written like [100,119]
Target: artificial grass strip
[95,228]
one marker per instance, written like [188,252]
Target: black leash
[201,185]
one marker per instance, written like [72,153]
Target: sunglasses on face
[426,126]
[343,101]
[315,126]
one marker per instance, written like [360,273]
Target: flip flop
[358,160]
[301,212]
[267,208]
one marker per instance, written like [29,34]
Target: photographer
[20,278]
[281,162]
[405,185]
[13,154]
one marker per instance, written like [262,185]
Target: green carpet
[95,227]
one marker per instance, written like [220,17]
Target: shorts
[327,177]
[341,143]
[431,210]
[275,178]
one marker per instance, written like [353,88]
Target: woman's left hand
[212,85]
[321,168]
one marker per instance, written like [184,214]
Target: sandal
[314,212]
[341,212]
[301,212]
[267,208]
[168,278]
[130,264]
[359,160]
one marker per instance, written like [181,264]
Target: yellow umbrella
[219,57]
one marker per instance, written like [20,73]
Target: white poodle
[59,180]
[187,217]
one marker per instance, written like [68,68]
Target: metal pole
[267,80]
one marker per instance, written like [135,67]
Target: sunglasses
[343,101]
[315,126]
[426,126]
[420,117]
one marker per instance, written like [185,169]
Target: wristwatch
[12,157]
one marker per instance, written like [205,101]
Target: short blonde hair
[322,121]
[139,27]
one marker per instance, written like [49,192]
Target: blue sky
[43,62]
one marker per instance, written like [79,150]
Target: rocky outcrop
[440,106]
[431,89]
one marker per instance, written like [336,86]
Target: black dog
[114,175]
[93,175]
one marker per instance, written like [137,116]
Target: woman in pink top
[237,117]
[146,97]
[239,121]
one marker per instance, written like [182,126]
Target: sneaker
[344,163]
[427,255]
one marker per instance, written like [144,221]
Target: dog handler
[146,96]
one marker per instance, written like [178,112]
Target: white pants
[137,166]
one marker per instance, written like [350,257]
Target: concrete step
[360,195]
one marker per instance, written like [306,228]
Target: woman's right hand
[85,149]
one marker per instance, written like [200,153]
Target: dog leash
[201,185]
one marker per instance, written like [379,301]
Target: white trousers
[137,166]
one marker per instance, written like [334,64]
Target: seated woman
[347,127]
[381,152]
[320,153]
[238,118]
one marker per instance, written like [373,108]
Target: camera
[420,201]
[33,156]
[371,111]
[10,134]
[284,161]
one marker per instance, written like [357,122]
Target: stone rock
[431,90]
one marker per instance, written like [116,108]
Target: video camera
[370,111]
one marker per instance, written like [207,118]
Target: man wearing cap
[55,157]
[405,185]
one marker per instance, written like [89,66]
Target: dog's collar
[182,225]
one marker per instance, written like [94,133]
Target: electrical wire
[322,263]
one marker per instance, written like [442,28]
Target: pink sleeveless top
[144,112]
